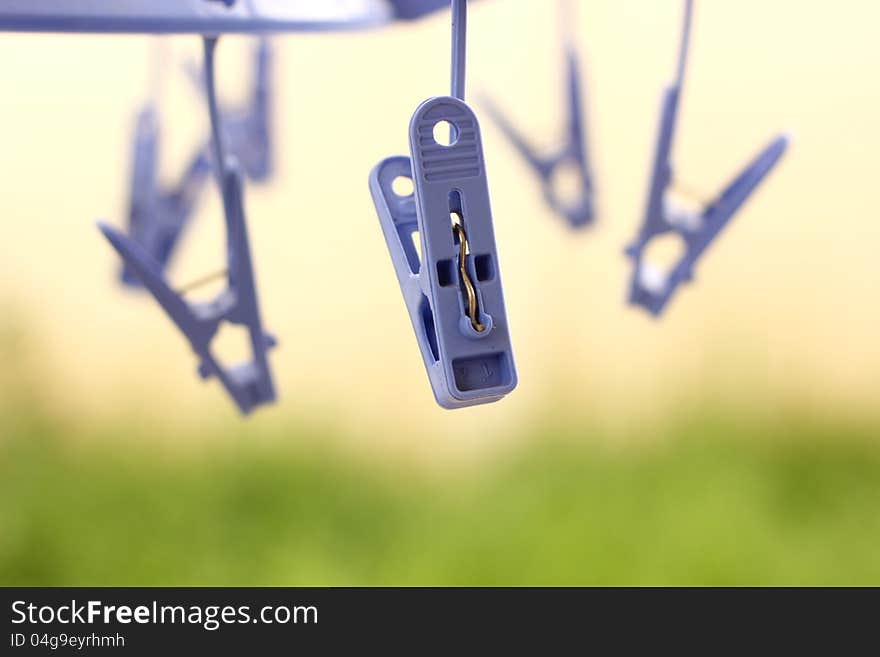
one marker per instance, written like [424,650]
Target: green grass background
[711,506]
[712,497]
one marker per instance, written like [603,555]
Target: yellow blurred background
[784,309]
[734,441]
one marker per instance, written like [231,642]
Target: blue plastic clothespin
[157,215]
[246,130]
[250,384]
[452,285]
[574,152]
[650,288]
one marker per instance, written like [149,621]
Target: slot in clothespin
[249,384]
[451,285]
[578,210]
[651,288]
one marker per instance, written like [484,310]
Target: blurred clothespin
[157,215]
[451,284]
[578,210]
[249,384]
[246,129]
[651,288]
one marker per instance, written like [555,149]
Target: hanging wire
[232,236]
[459,44]
[685,41]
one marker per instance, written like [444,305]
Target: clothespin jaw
[249,384]
[652,289]
[573,153]
[452,288]
[156,216]
[400,226]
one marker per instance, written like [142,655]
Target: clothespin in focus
[451,284]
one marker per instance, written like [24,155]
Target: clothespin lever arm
[249,384]
[459,272]
[718,212]
[579,210]
[399,223]
[655,220]
[158,216]
[543,166]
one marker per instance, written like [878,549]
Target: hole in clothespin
[402,186]
[484,267]
[445,133]
[232,344]
[659,257]
[427,316]
[567,184]
[690,192]
[446,273]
